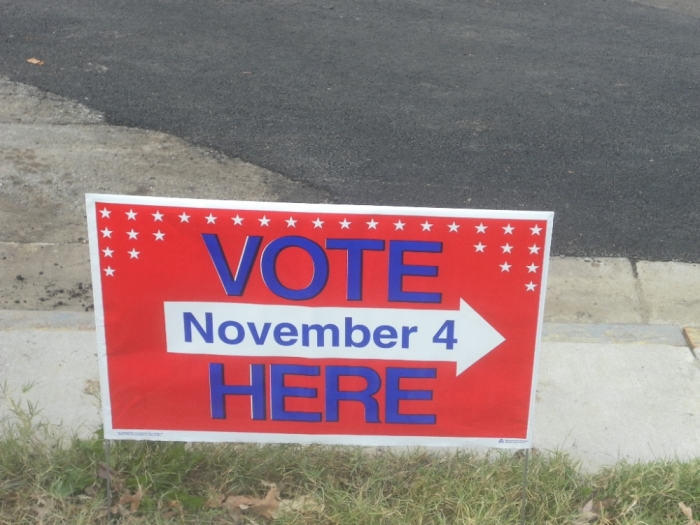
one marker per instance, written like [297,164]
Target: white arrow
[236,329]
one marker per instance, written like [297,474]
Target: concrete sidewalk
[618,376]
[605,392]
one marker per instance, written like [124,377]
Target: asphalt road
[590,109]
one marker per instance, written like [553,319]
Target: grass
[50,480]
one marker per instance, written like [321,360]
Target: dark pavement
[587,108]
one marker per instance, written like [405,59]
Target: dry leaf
[240,502]
[120,509]
[586,514]
[42,508]
[269,507]
[688,512]
[35,61]
[105,472]
[133,500]
[592,510]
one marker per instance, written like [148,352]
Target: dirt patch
[53,151]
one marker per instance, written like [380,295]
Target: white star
[210,219]
[372,224]
[536,230]
[507,248]
[237,220]
[345,225]
[481,228]
[426,226]
[480,247]
[131,215]
[534,249]
[505,267]
[157,216]
[159,235]
[399,225]
[318,223]
[530,286]
[105,213]
[453,227]
[264,221]
[132,234]
[106,232]
[134,254]
[508,230]
[291,223]
[109,271]
[184,217]
[108,252]
[532,268]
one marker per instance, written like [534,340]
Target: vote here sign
[271,322]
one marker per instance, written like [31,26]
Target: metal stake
[109,480]
[523,500]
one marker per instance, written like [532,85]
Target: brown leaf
[120,509]
[42,508]
[592,510]
[240,502]
[269,507]
[35,61]
[133,500]
[688,512]
[105,472]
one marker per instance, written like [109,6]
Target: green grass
[44,479]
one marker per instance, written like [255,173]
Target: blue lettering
[394,395]
[283,330]
[207,334]
[219,390]
[268,267]
[382,336]
[320,334]
[240,332]
[355,248]
[232,285]
[259,338]
[350,329]
[334,395]
[397,270]
[279,392]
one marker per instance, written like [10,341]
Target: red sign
[272,322]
